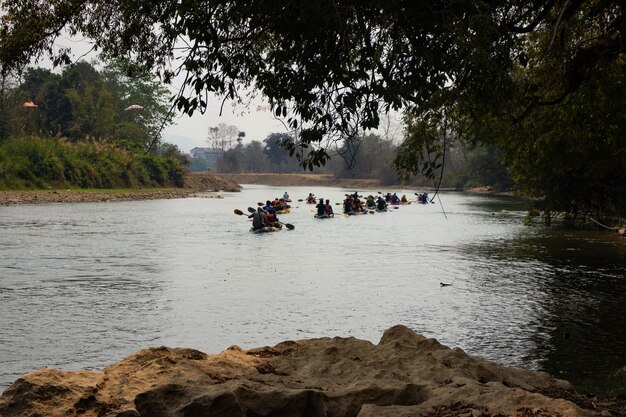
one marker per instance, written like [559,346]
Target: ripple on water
[82,286]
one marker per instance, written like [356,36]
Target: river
[84,285]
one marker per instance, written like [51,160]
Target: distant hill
[185,143]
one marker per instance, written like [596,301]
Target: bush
[38,163]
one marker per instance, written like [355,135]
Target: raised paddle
[239,212]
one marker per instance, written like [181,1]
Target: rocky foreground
[404,375]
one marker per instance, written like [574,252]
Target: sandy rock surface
[405,374]
[196,185]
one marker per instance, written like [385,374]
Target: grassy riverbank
[31,163]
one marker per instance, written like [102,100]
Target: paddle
[239,212]
[287,225]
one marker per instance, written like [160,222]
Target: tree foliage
[500,72]
[84,103]
[558,120]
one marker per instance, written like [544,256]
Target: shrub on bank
[38,163]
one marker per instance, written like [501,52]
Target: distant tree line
[368,156]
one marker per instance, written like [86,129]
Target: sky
[189,132]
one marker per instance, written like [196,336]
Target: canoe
[324,216]
[265,229]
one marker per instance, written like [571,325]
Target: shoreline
[198,185]
[329,180]
[209,185]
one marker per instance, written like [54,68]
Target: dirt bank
[405,374]
[327,180]
[196,185]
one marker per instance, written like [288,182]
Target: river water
[84,285]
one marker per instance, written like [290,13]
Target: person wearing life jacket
[403,199]
[347,205]
[271,217]
[328,209]
[321,208]
[268,206]
[388,197]
[370,202]
[310,199]
[286,197]
[381,204]
[357,205]
[259,219]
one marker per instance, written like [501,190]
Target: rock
[405,374]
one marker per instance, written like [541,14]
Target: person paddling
[381,204]
[258,219]
[321,208]
[328,209]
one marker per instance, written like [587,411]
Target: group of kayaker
[394,199]
[264,217]
[324,209]
[279,204]
[353,204]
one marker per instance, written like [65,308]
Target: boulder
[405,374]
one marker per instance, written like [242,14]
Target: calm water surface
[84,285]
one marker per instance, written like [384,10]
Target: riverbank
[329,180]
[303,179]
[201,185]
[405,374]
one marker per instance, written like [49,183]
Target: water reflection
[85,285]
[572,289]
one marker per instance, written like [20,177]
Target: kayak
[265,229]
[400,203]
[285,211]
[354,213]
[382,211]
[324,216]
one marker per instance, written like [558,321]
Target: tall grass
[32,162]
